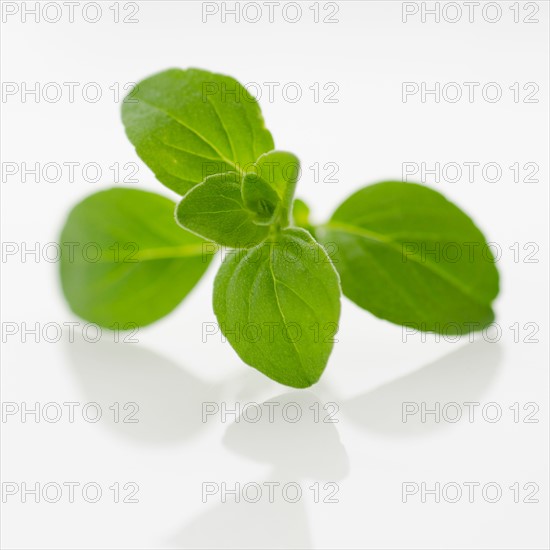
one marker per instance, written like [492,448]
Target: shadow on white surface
[462,376]
[297,452]
[260,525]
[303,452]
[308,448]
[169,398]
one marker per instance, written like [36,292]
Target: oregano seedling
[277,295]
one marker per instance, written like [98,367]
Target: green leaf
[214,209]
[130,263]
[189,124]
[408,255]
[300,214]
[280,170]
[278,304]
[260,197]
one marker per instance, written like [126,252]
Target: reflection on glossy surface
[306,451]
[169,398]
[460,377]
[302,451]
[307,448]
[248,526]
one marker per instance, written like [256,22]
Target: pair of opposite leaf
[277,297]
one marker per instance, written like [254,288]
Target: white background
[369,133]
